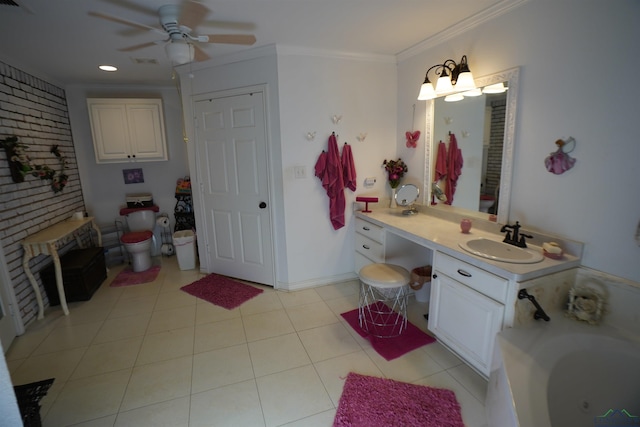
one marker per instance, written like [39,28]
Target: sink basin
[500,251]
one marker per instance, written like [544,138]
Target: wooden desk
[47,242]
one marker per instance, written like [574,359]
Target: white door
[231,149]
[7,325]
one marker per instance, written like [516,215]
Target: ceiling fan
[177,24]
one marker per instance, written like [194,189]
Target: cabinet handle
[366,228]
[366,247]
[464,273]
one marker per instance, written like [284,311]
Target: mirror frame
[511,76]
[407,186]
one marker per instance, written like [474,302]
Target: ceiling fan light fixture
[179,52]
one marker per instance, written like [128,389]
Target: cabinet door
[146,131]
[464,320]
[109,129]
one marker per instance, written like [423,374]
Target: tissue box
[139,200]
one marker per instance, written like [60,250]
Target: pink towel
[441,162]
[348,168]
[454,167]
[329,170]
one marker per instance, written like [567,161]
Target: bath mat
[222,291]
[380,402]
[391,348]
[128,277]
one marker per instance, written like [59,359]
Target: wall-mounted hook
[336,119]
[361,136]
[311,135]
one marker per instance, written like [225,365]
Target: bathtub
[564,373]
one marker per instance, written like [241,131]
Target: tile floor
[152,355]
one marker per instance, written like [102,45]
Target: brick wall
[494,154]
[36,112]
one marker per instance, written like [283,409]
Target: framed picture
[133,176]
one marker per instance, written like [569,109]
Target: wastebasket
[421,283]
[184,242]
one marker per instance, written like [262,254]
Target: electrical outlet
[299,172]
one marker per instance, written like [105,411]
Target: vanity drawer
[482,281]
[372,231]
[369,248]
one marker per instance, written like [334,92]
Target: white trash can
[421,283]
[185,244]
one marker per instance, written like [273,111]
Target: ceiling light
[453,77]
[109,68]
[179,52]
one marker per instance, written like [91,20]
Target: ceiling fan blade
[140,46]
[193,13]
[230,25]
[245,39]
[199,54]
[127,4]
[124,21]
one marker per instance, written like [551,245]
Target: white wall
[574,57]
[315,86]
[305,89]
[257,67]
[103,184]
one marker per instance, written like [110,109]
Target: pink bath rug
[380,402]
[128,277]
[222,291]
[391,348]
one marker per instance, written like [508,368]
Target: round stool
[382,307]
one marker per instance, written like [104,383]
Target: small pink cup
[465,225]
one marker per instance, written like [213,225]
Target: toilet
[137,242]
[486,201]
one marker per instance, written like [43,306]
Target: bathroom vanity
[472,298]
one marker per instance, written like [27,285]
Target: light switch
[369,182]
[300,172]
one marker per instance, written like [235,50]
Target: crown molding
[487,14]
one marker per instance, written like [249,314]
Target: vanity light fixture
[453,77]
[495,88]
[454,97]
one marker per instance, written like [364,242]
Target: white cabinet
[369,244]
[374,244]
[467,309]
[127,129]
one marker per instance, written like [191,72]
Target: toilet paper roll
[163,221]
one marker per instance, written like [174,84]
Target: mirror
[406,196]
[484,185]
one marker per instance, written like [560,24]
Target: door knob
[262,205]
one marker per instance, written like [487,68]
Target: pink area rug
[380,402]
[127,277]
[222,291]
[391,348]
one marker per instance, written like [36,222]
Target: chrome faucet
[517,238]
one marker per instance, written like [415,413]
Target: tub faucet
[539,314]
